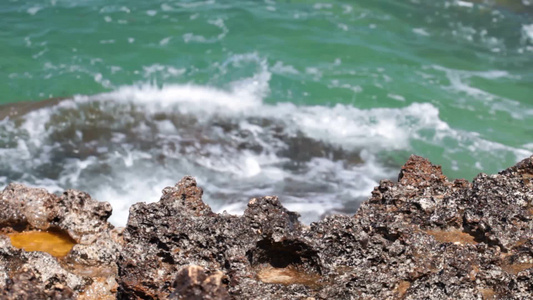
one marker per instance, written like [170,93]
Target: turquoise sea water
[314,101]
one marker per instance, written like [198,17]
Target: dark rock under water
[422,237]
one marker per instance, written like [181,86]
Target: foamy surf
[126,146]
[316,107]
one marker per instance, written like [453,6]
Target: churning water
[312,101]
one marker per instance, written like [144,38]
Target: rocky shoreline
[423,237]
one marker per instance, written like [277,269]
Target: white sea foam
[280,68]
[528,146]
[165,41]
[34,9]
[464,4]
[527,38]
[396,97]
[157,70]
[421,31]
[197,38]
[201,133]
[459,82]
[527,31]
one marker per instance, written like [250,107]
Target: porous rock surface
[422,237]
[88,271]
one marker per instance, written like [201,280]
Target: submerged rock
[423,237]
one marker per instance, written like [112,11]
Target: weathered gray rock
[423,237]
[192,282]
[88,271]
[426,237]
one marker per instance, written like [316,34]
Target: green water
[455,77]
[365,54]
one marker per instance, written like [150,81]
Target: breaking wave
[127,145]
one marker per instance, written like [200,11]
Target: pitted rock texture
[192,282]
[423,237]
[427,238]
[39,275]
